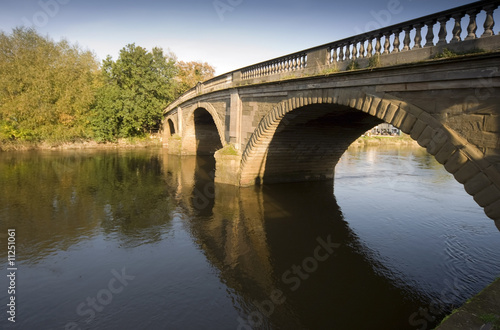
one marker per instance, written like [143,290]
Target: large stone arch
[464,161]
[190,141]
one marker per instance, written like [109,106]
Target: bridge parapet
[371,48]
[378,48]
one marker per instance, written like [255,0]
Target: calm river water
[139,239]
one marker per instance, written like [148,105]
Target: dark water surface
[143,240]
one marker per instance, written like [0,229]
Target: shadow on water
[291,259]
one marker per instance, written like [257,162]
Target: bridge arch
[171,127]
[463,160]
[203,131]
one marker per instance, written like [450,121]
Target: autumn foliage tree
[46,88]
[190,73]
[56,92]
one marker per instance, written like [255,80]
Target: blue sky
[228,34]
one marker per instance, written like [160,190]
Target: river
[138,239]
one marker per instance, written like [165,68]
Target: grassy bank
[146,142]
[382,140]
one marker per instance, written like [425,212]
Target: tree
[190,73]
[136,88]
[46,88]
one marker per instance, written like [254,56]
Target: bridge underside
[309,141]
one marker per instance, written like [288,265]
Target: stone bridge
[291,118]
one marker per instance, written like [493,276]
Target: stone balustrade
[280,65]
[411,41]
[388,39]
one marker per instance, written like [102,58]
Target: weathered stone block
[389,113]
[487,196]
[374,106]
[455,162]
[398,117]
[429,120]
[476,183]
[407,123]
[367,103]
[492,123]
[417,129]
[445,152]
[425,138]
[493,210]
[437,142]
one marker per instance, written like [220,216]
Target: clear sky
[228,34]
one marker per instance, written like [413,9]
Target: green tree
[190,73]
[46,88]
[136,88]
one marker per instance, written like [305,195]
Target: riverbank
[155,141]
[152,141]
[383,140]
[481,312]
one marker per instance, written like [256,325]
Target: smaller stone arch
[206,115]
[171,127]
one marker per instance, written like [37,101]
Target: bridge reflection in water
[287,253]
[221,256]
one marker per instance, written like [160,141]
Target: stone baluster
[387,42]
[418,36]
[396,43]
[442,31]
[348,51]
[369,48]
[457,29]
[407,39]
[341,53]
[354,50]
[362,48]
[489,23]
[472,27]
[429,38]
[378,46]
[334,55]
